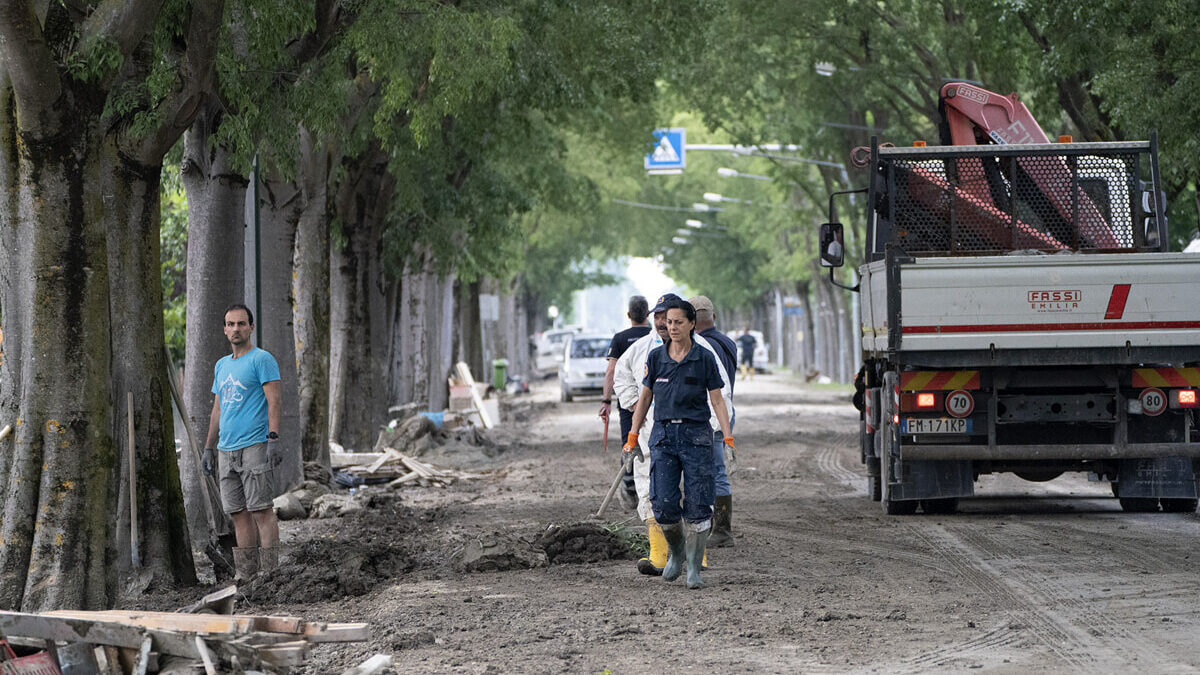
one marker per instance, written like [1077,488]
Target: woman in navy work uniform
[682,379]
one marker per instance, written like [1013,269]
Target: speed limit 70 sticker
[1153,401]
[960,403]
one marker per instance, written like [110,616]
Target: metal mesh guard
[971,203]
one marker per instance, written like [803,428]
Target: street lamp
[692,222]
[705,208]
[734,173]
[679,240]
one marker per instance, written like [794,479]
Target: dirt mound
[351,561]
[583,543]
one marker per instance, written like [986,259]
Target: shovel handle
[615,484]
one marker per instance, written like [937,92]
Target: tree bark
[357,396]
[216,195]
[279,214]
[78,208]
[310,289]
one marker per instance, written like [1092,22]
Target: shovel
[626,465]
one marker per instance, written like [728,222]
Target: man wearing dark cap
[726,351]
[639,309]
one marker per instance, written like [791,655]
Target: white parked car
[583,365]
[548,349]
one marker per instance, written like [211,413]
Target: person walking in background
[242,447]
[747,342]
[639,309]
[682,380]
[726,351]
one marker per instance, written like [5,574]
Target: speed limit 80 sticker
[1153,401]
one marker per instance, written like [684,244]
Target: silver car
[583,365]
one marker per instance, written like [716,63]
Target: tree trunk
[416,275]
[443,296]
[469,349]
[279,214]
[216,196]
[77,208]
[357,396]
[310,290]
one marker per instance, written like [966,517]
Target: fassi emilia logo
[1054,301]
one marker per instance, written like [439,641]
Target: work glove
[632,447]
[274,451]
[730,455]
[208,461]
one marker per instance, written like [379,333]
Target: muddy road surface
[1027,577]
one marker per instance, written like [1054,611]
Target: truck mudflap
[1159,477]
[932,480]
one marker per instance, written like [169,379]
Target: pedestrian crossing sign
[669,150]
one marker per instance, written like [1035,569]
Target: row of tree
[403,159]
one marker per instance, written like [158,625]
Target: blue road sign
[669,150]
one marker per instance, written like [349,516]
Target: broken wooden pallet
[277,641]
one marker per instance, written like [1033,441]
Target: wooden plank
[209,624]
[285,653]
[337,632]
[387,456]
[65,629]
[281,624]
[205,657]
[340,460]
[404,479]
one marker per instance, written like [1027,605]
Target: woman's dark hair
[639,309]
[238,305]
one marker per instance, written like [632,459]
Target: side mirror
[833,253]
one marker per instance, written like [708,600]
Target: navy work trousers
[681,449]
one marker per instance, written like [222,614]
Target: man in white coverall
[627,385]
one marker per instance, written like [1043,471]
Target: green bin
[500,374]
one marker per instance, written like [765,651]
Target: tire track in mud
[998,637]
[1048,590]
[1073,645]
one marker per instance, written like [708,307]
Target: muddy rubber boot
[268,559]
[695,553]
[653,566]
[245,563]
[722,523]
[676,551]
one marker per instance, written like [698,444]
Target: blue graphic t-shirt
[239,385]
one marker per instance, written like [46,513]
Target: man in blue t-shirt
[244,429]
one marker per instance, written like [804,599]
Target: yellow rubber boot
[658,550]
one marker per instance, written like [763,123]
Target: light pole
[734,173]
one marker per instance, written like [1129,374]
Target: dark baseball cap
[665,302]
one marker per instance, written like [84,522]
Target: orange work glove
[631,446]
[732,448]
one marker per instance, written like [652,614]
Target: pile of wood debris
[398,468]
[133,641]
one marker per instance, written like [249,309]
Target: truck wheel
[1174,505]
[1139,504]
[875,486]
[566,397]
[940,506]
[887,441]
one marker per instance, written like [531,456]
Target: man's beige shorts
[246,479]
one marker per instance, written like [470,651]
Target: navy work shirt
[681,389]
[726,350]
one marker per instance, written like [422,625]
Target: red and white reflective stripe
[1116,301]
[1048,327]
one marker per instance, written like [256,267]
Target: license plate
[937,425]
